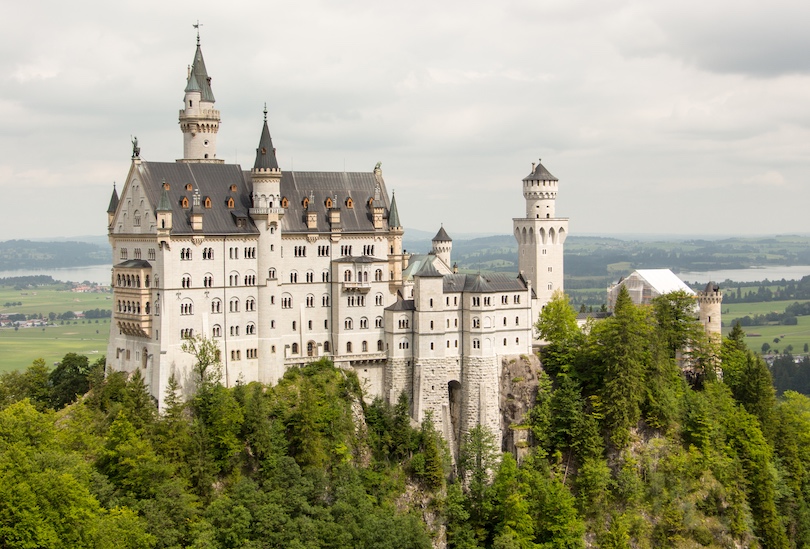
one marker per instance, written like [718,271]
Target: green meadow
[18,348]
[796,335]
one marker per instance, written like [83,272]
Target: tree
[68,379]
[558,326]
[624,350]
[766,347]
[207,367]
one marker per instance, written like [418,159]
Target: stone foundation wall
[398,377]
[480,390]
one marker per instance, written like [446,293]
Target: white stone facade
[279,268]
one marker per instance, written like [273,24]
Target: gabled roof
[494,282]
[134,264]
[664,281]
[428,270]
[442,236]
[393,214]
[212,180]
[199,80]
[540,173]
[113,201]
[265,153]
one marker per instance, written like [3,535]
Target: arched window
[378,322]
[347,324]
[284,202]
[379,344]
[216,331]
[207,203]
[347,276]
[231,203]
[216,306]
[294,348]
[378,275]
[184,203]
[348,346]
[325,346]
[364,346]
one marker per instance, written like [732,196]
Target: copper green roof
[164,205]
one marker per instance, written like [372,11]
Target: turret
[266,176]
[710,307]
[396,258]
[112,207]
[540,236]
[443,246]
[199,121]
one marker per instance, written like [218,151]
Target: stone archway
[454,397]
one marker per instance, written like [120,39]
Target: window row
[131,281]
[134,307]
[348,324]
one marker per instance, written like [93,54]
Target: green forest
[644,433]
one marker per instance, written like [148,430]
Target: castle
[279,267]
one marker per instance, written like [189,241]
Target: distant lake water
[754,274]
[100,274]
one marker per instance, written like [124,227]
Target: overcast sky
[670,117]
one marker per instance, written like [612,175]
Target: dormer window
[188,186]
[207,203]
[371,202]
[284,202]
[306,203]
[349,203]
[230,203]
[184,203]
[233,188]
[328,202]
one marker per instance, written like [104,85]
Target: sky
[676,117]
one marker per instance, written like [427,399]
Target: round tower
[540,236]
[199,121]
[443,246]
[710,307]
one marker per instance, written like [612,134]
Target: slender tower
[540,236]
[266,212]
[710,303]
[199,121]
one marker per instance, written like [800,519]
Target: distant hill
[29,254]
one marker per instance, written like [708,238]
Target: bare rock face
[519,380]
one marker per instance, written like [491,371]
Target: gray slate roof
[318,186]
[540,173]
[474,283]
[360,259]
[442,236]
[213,181]
[428,270]
[113,201]
[134,264]
[393,215]
[199,79]
[266,153]
[402,305]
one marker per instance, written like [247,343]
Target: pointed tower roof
[428,269]
[265,153]
[540,173]
[393,214]
[113,201]
[164,205]
[442,236]
[199,80]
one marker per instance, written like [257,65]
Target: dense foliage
[644,433]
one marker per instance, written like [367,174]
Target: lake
[754,274]
[100,274]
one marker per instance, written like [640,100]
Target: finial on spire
[197,26]
[265,111]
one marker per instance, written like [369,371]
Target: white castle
[280,268]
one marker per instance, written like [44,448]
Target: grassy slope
[757,335]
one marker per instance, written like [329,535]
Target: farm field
[19,348]
[48,299]
[796,335]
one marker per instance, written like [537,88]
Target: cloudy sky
[667,117]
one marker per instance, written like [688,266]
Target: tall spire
[265,153]
[198,79]
[113,201]
[393,214]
